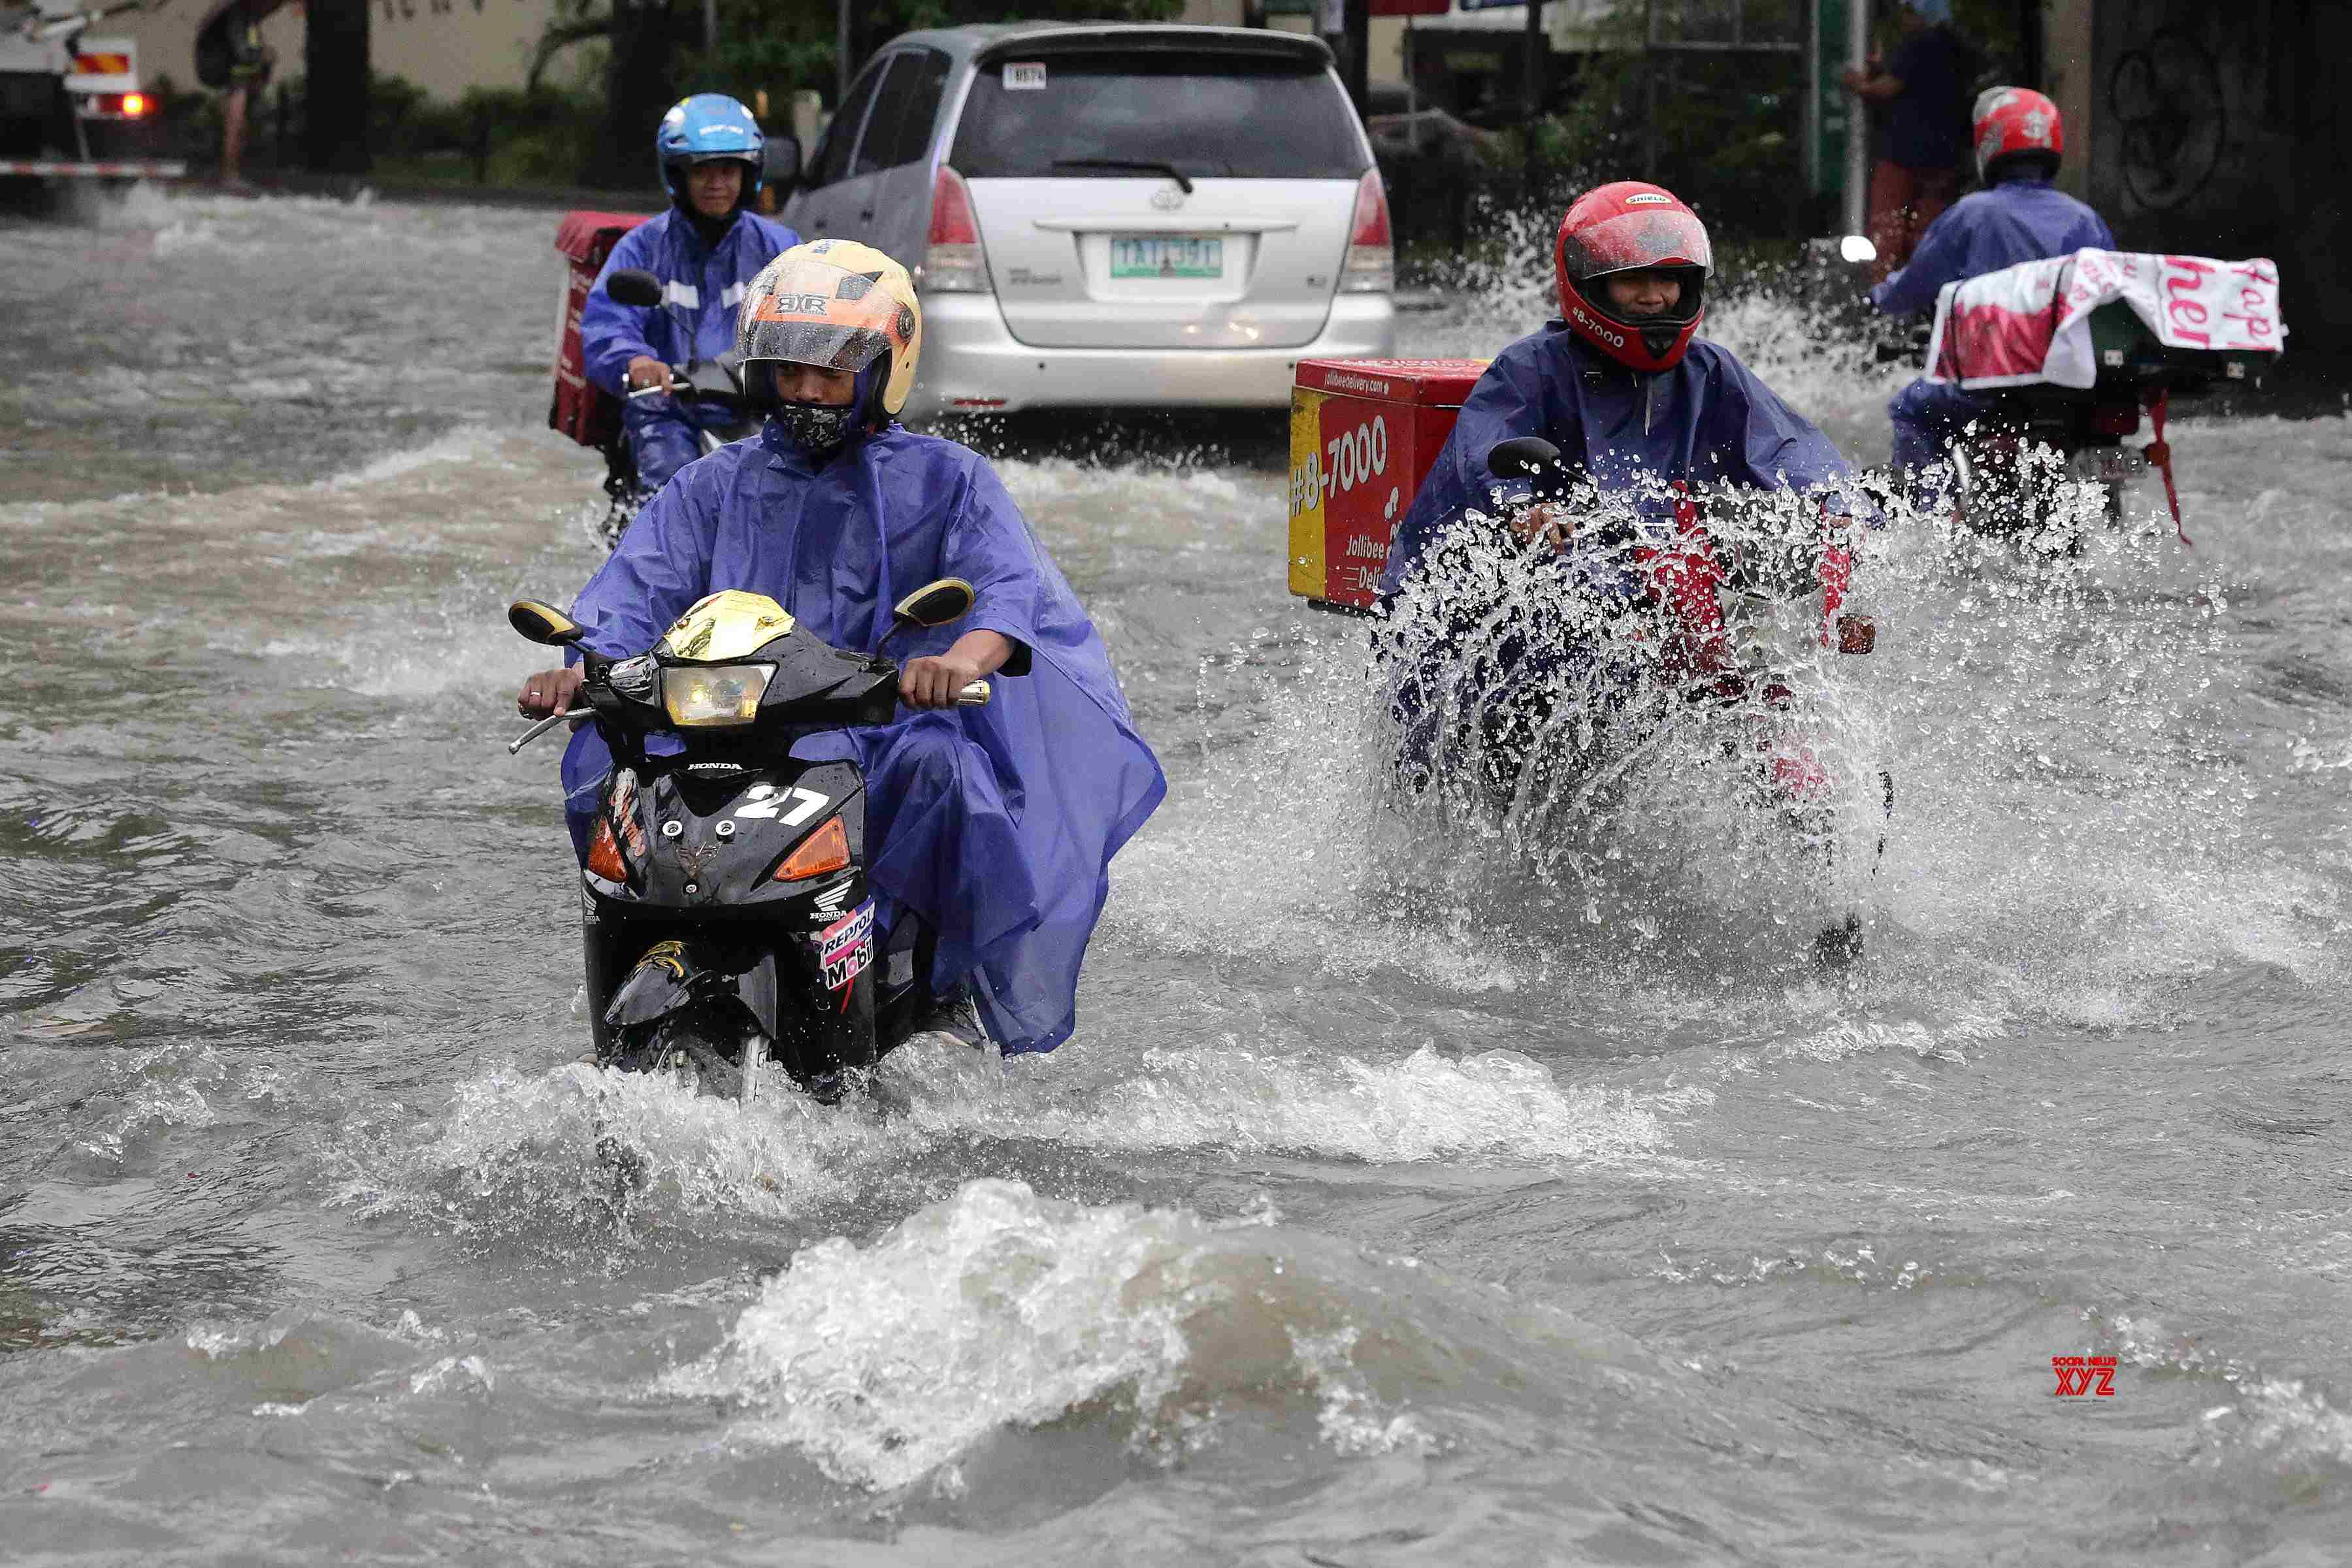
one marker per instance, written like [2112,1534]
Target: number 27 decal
[804,803]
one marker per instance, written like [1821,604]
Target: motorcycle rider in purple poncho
[1631,397]
[2018,216]
[994,826]
[706,250]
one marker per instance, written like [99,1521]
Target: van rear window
[1210,115]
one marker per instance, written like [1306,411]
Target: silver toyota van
[1103,216]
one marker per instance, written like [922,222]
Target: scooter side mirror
[544,623]
[634,286]
[935,604]
[1523,458]
[1855,249]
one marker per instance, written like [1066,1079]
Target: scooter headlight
[714,696]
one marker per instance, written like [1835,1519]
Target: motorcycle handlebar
[975,695]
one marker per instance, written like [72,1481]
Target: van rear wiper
[1183,182]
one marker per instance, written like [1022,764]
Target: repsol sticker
[846,933]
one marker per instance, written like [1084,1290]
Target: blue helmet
[707,126]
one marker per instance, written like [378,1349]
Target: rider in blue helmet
[705,249]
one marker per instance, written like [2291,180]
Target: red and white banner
[2031,323]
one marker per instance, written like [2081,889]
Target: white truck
[71,103]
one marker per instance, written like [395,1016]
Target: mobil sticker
[1363,434]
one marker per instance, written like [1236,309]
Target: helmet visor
[1663,236]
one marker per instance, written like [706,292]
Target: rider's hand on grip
[549,691]
[1549,518]
[647,373]
[937,680]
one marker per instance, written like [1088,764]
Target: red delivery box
[582,410]
[1363,434]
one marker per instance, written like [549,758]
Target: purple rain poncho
[994,825]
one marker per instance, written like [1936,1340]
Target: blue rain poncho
[994,825]
[2023,218]
[702,286]
[1707,420]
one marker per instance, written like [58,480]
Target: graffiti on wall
[2165,96]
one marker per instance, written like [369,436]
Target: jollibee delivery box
[1363,434]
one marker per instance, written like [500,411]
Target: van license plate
[1162,256]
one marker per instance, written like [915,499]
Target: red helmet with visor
[1631,227]
[2014,125]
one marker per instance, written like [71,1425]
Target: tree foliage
[1725,130]
[655,52]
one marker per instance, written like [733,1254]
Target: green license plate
[1167,256]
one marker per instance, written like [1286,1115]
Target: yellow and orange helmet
[838,304]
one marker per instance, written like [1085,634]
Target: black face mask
[817,429]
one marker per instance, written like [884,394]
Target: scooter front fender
[664,981]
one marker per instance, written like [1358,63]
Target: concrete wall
[443,45]
[2217,130]
[447,46]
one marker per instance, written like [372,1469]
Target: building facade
[2210,131]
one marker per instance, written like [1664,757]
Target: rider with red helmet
[1622,385]
[1620,381]
[2019,216]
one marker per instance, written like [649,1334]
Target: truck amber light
[826,849]
[604,854]
[135,105]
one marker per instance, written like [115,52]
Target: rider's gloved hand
[646,370]
[549,691]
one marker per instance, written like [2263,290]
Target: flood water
[1375,1215]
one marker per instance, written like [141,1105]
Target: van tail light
[952,262]
[1371,267]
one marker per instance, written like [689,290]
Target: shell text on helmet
[1649,199]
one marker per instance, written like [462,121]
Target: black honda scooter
[727,921]
[715,386]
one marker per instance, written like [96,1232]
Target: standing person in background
[232,60]
[1921,134]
